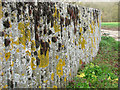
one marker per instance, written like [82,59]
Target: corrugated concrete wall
[45,43]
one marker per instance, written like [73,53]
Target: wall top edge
[65,1]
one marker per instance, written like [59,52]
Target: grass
[110,25]
[102,72]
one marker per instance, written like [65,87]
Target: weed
[103,71]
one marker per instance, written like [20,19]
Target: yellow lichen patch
[39,86]
[63,63]
[6,35]
[56,27]
[0,11]
[28,53]
[49,41]
[17,50]
[0,53]
[6,86]
[14,15]
[2,73]
[66,56]
[80,29]
[64,28]
[95,45]
[7,56]
[80,61]
[55,14]
[63,46]
[22,74]
[33,66]
[94,39]
[21,26]
[33,45]
[79,41]
[12,64]
[54,86]
[83,43]
[98,24]
[44,59]
[93,23]
[87,56]
[10,48]
[46,81]
[28,35]
[56,56]
[70,73]
[65,79]
[23,41]
[91,29]
[92,51]
[10,24]
[59,67]
[52,76]
[92,42]
[1,59]
[27,24]
[73,41]
[94,29]
[23,31]
[83,51]
[16,42]
[59,15]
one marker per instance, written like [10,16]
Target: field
[102,72]
[110,25]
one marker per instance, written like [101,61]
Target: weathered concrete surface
[46,44]
[1,41]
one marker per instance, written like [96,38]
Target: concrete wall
[45,43]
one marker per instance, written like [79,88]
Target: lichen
[52,76]
[33,66]
[44,59]
[7,55]
[59,67]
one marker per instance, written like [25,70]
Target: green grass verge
[110,24]
[102,72]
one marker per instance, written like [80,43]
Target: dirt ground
[113,33]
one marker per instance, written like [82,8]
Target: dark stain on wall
[54,39]
[6,42]
[6,24]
